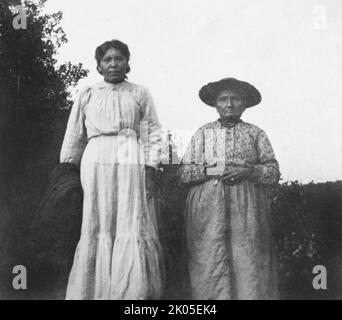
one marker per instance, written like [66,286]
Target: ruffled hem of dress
[130,268]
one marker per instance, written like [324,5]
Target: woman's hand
[233,175]
[149,181]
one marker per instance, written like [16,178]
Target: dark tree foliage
[30,81]
[34,99]
[33,88]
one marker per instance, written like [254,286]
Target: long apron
[230,245]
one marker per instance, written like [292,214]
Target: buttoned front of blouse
[243,145]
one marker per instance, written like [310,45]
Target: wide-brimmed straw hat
[208,93]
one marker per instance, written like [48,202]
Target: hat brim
[208,93]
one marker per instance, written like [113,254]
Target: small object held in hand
[215,171]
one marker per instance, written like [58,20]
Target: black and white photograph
[184,151]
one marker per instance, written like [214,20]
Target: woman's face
[230,105]
[113,66]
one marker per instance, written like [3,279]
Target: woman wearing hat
[230,165]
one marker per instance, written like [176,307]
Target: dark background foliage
[34,99]
[34,103]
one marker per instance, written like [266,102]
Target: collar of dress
[113,86]
[228,124]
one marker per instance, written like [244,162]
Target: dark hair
[115,44]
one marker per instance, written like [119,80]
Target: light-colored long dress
[230,248]
[113,132]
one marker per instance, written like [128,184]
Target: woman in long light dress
[114,134]
[230,166]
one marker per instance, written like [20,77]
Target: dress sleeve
[266,172]
[150,130]
[192,170]
[75,138]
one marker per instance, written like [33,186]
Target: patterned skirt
[229,240]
